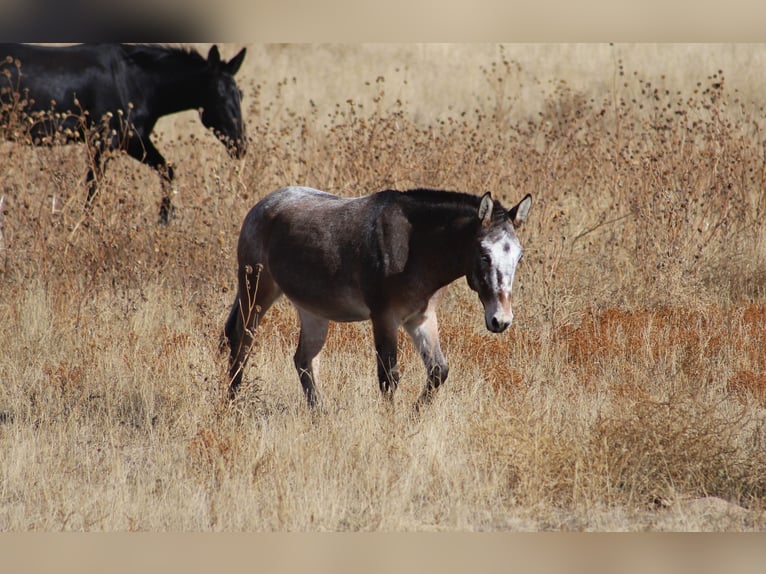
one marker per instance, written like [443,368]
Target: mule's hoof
[166,214]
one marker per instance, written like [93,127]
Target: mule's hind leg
[257,292]
[95,176]
[312,338]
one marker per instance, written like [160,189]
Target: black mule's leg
[167,210]
[144,151]
[94,177]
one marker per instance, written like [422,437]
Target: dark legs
[166,204]
[145,152]
[95,174]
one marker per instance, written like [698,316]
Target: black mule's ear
[518,213]
[214,56]
[233,65]
[485,209]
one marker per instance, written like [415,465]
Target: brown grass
[632,386]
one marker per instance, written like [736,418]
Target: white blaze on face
[504,252]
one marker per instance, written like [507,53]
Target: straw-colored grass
[630,393]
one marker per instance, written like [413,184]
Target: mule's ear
[232,67]
[518,213]
[485,209]
[214,56]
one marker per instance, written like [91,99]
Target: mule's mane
[456,199]
[433,207]
[435,204]
[153,54]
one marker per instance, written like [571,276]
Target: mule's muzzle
[496,325]
[498,315]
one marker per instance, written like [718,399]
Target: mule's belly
[341,307]
[336,294]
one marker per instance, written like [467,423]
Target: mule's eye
[486,259]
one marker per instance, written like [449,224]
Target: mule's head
[496,255]
[221,97]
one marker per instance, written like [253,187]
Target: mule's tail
[230,327]
[243,321]
[232,335]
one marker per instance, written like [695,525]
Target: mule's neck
[176,90]
[445,247]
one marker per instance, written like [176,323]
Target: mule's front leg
[385,332]
[144,151]
[423,329]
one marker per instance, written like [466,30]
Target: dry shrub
[629,408]
[749,386]
[694,336]
[658,451]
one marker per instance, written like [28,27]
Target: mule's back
[76,78]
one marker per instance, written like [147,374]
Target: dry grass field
[630,393]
